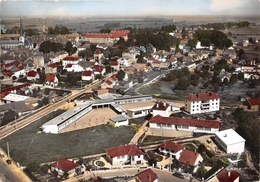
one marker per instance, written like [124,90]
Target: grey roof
[19,106]
[119,118]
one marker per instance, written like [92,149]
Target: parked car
[179,175]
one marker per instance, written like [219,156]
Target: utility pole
[8,153]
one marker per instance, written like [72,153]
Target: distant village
[193,142]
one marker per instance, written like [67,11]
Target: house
[184,124]
[98,54]
[38,61]
[32,75]
[164,108]
[202,102]
[120,120]
[126,154]
[51,69]
[65,166]
[228,175]
[252,104]
[190,158]
[52,80]
[73,68]
[171,149]
[99,69]
[230,141]
[145,176]
[71,60]
[87,76]
[115,65]
[110,83]
[139,112]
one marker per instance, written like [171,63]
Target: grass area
[27,147]
[148,138]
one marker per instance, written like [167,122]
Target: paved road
[42,112]
[6,175]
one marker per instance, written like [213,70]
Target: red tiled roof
[32,73]
[17,63]
[203,96]
[50,78]
[98,51]
[6,91]
[130,150]
[7,73]
[108,82]
[114,63]
[160,106]
[147,176]
[114,78]
[87,73]
[71,58]
[65,165]
[98,68]
[254,102]
[52,65]
[68,65]
[185,122]
[156,61]
[96,35]
[151,58]
[113,34]
[173,146]
[189,157]
[224,176]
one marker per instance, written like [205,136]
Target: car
[179,175]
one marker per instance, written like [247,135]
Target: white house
[87,75]
[139,112]
[64,166]
[164,109]
[202,102]
[145,176]
[191,158]
[32,75]
[123,62]
[73,68]
[110,83]
[120,121]
[121,155]
[71,60]
[173,149]
[51,80]
[230,141]
[184,124]
[99,69]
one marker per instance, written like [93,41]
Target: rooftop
[229,136]
[131,150]
[203,96]
[65,165]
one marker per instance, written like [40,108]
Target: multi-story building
[202,102]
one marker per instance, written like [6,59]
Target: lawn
[27,147]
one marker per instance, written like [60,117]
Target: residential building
[184,124]
[120,120]
[171,149]
[71,60]
[190,158]
[202,102]
[148,175]
[164,109]
[38,61]
[99,70]
[87,75]
[32,75]
[252,104]
[51,69]
[52,80]
[126,154]
[228,175]
[110,83]
[65,166]
[230,141]
[73,68]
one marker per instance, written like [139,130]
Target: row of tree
[48,46]
[221,26]
[58,30]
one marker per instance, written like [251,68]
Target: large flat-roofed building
[64,120]
[230,141]
[202,103]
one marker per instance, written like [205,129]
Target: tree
[120,75]
[86,53]
[182,84]
[69,48]
[233,79]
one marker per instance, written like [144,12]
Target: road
[42,112]
[6,174]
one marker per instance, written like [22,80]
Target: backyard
[29,146]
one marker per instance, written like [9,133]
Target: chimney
[210,94]
[229,173]
[150,177]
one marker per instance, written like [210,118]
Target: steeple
[21,27]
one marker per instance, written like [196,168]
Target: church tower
[21,38]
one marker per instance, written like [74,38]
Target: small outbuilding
[120,120]
[230,141]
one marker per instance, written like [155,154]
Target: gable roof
[225,176]
[98,51]
[160,106]
[32,73]
[108,82]
[68,66]
[147,176]
[130,150]
[114,63]
[65,165]
[98,68]
[173,146]
[185,121]
[71,58]
[87,73]
[254,102]
[203,96]
[189,157]
[114,78]
[50,78]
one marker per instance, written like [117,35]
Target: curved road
[42,112]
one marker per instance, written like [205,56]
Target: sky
[128,8]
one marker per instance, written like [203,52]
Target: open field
[26,146]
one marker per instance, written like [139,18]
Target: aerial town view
[130,91]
